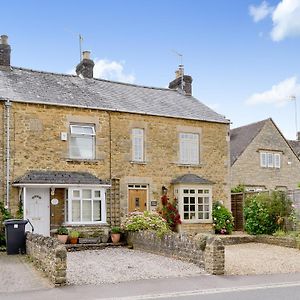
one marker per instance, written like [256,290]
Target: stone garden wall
[49,255]
[203,250]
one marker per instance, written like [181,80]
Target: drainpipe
[7,107]
[110,168]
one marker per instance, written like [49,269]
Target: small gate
[237,206]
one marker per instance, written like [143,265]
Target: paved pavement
[275,287]
[16,275]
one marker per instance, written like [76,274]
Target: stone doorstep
[81,247]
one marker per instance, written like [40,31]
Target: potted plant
[73,236]
[62,234]
[115,234]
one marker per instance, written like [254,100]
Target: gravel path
[253,258]
[112,265]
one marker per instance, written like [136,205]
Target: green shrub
[4,215]
[222,219]
[265,214]
[147,220]
[116,229]
[62,230]
[74,234]
[240,188]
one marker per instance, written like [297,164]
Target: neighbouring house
[84,152]
[295,144]
[262,159]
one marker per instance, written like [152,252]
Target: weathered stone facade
[36,145]
[203,250]
[49,255]
[247,170]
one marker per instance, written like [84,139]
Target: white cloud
[286,20]
[110,70]
[278,95]
[260,12]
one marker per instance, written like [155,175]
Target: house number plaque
[54,201]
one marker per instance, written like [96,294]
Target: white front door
[37,210]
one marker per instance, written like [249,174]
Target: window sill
[189,165]
[138,162]
[86,224]
[197,222]
[79,160]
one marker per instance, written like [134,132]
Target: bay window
[85,205]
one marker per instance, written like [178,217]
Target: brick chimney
[86,66]
[4,51]
[182,82]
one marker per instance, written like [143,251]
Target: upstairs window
[189,148]
[138,144]
[270,160]
[82,141]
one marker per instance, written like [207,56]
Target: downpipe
[7,108]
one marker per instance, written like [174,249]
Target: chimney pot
[4,52]
[4,39]
[177,84]
[298,136]
[86,54]
[86,66]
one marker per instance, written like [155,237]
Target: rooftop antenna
[180,67]
[80,47]
[293,98]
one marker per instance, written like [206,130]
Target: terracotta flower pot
[62,238]
[115,237]
[73,240]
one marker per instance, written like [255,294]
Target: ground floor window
[195,203]
[85,205]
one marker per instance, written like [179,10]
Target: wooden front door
[137,200]
[237,207]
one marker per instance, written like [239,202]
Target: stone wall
[203,250]
[48,255]
[288,242]
[247,170]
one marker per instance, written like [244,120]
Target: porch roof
[58,177]
[191,178]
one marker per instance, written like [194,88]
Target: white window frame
[189,145]
[179,193]
[270,160]
[92,136]
[80,198]
[138,136]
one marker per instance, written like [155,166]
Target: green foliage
[62,230]
[222,219]
[147,220]
[240,188]
[74,234]
[4,215]
[116,229]
[265,214]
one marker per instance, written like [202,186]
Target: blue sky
[243,55]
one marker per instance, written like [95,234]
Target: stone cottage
[262,159]
[81,151]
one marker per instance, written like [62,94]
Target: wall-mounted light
[52,191]
[164,190]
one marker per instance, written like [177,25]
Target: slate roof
[58,177]
[191,178]
[295,146]
[241,137]
[24,85]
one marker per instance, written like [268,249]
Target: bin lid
[15,221]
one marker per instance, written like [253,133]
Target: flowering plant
[222,219]
[146,220]
[170,212]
